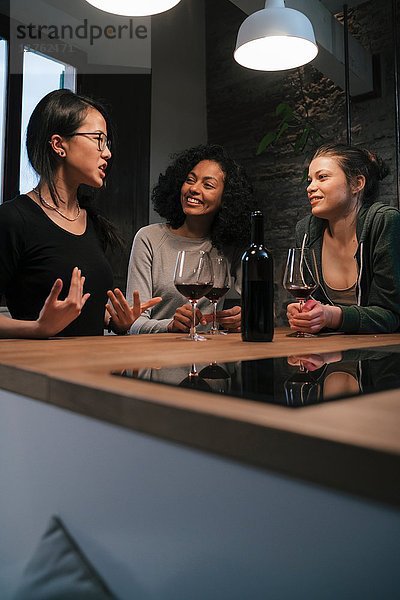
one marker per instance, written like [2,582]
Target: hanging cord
[396,95]
[347,72]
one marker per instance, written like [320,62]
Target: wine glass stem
[300,334]
[193,371]
[214,323]
[193,326]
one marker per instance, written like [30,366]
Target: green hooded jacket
[378,260]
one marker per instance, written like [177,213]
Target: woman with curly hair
[206,199]
[356,243]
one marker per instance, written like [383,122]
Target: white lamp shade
[134,8]
[274,39]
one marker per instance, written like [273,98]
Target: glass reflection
[301,388]
[194,380]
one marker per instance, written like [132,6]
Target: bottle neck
[257,230]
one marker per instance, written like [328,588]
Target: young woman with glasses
[53,270]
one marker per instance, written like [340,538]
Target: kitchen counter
[352,445]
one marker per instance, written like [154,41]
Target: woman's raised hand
[57,314]
[122,314]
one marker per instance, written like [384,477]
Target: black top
[35,251]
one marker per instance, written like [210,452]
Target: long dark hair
[354,162]
[231,225]
[62,112]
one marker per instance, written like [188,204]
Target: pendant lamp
[134,8]
[275,38]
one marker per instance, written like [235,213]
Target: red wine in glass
[193,279]
[216,293]
[301,292]
[301,276]
[194,291]
[220,288]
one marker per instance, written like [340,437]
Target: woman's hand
[122,314]
[230,319]
[312,362]
[183,318]
[57,314]
[314,316]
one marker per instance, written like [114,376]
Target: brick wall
[240,109]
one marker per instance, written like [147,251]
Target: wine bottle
[257,286]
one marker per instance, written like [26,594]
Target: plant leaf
[267,140]
[284,126]
[284,110]
[301,140]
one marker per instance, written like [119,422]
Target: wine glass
[217,377]
[302,388]
[193,279]
[301,278]
[220,288]
[194,380]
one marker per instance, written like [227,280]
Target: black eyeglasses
[102,139]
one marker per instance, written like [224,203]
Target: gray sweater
[151,272]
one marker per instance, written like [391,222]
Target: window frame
[13,107]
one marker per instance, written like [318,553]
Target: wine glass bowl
[301,277]
[302,388]
[217,377]
[220,287]
[193,279]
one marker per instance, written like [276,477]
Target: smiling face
[330,194]
[83,162]
[201,192]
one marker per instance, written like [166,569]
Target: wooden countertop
[352,445]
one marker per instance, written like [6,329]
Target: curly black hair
[231,225]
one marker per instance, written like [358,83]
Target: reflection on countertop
[293,381]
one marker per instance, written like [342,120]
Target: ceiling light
[275,38]
[134,8]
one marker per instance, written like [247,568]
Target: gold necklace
[43,201]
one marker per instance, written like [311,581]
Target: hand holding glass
[220,288]
[301,277]
[193,279]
